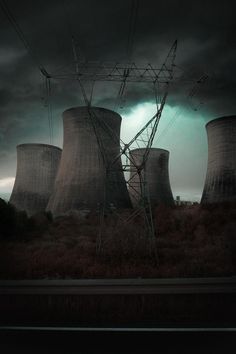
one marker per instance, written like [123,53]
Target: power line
[129,49]
[194,91]
[49,107]
[42,70]
[132,28]
[22,37]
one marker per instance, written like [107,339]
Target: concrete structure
[37,166]
[155,174]
[177,200]
[81,183]
[220,183]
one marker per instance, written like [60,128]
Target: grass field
[191,241]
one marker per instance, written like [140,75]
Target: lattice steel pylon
[144,139]
[160,78]
[84,71]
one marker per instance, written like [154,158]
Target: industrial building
[155,176]
[86,177]
[37,166]
[220,183]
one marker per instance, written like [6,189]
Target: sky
[205,31]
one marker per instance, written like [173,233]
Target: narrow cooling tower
[156,177]
[81,182]
[37,166]
[220,183]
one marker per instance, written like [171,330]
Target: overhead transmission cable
[21,35]
[71,29]
[43,71]
[77,53]
[129,48]
[132,28]
[49,107]
[194,90]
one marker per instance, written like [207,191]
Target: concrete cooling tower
[220,183]
[155,174]
[37,166]
[81,180]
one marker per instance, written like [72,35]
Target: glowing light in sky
[134,121]
[181,132]
[6,184]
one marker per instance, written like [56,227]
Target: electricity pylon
[160,78]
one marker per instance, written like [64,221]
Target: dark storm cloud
[206,43]
[5,97]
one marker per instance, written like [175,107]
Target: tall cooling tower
[220,183]
[81,182]
[37,166]
[155,175]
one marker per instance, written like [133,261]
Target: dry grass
[191,241]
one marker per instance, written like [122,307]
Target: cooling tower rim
[38,145]
[151,149]
[93,107]
[224,118]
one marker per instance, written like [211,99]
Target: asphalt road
[120,286]
[108,342]
[180,340]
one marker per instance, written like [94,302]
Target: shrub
[8,219]
[190,241]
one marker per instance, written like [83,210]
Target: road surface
[120,286]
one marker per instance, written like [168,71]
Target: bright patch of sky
[6,185]
[181,132]
[10,55]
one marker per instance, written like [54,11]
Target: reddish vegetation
[191,241]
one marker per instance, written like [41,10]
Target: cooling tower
[81,182]
[156,177]
[37,166]
[220,183]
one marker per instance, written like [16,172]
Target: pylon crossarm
[126,148]
[116,72]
